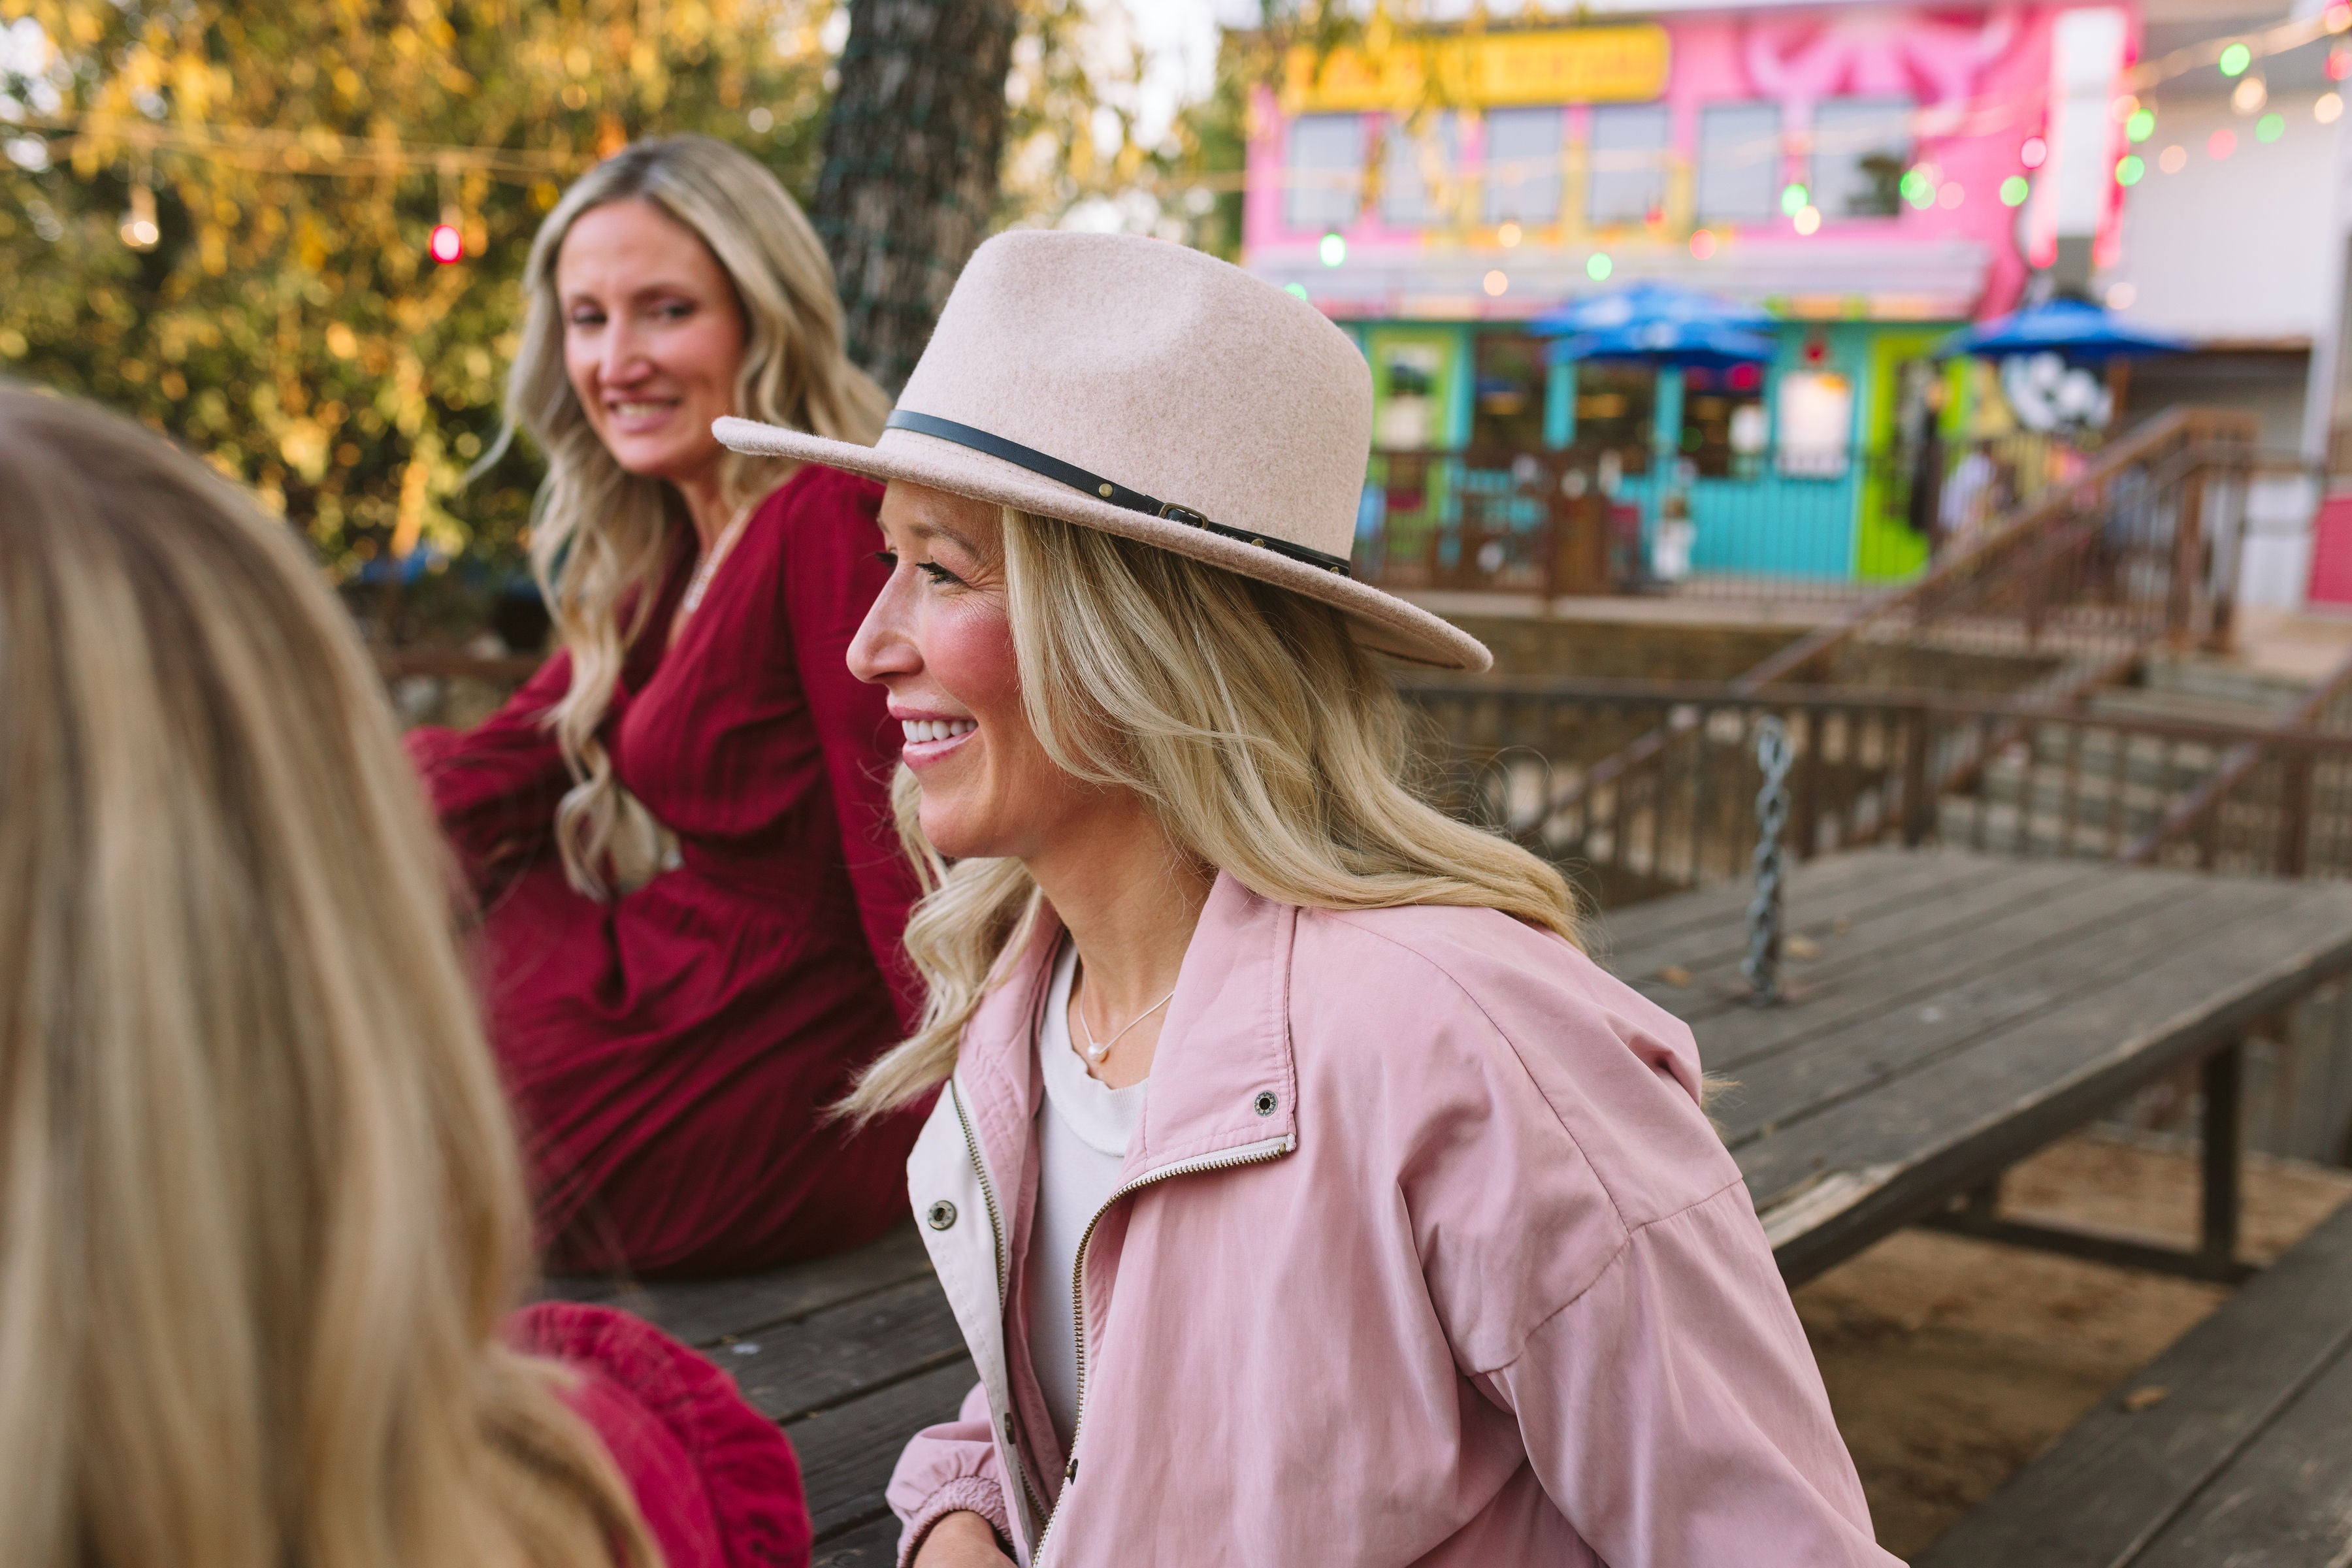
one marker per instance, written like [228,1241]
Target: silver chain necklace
[1096,1053]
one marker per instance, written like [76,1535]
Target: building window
[1522,184]
[1860,147]
[1616,405]
[1324,182]
[1506,402]
[1739,162]
[1723,421]
[1410,378]
[1628,161]
[1417,172]
[1816,410]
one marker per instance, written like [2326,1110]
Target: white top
[1084,1127]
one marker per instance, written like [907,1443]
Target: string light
[2140,126]
[1496,283]
[1333,249]
[1597,266]
[2328,109]
[2250,95]
[1794,199]
[2336,17]
[1297,290]
[2174,159]
[1919,187]
[2222,142]
[1950,197]
[2339,64]
[2128,169]
[446,244]
[140,230]
[2122,108]
[2235,58]
[2120,296]
[1702,244]
[1508,234]
[2015,190]
[2270,128]
[1808,219]
[2034,154]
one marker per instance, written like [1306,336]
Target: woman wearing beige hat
[1303,1191]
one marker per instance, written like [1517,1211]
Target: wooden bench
[2234,1450]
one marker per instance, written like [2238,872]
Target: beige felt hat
[1145,389]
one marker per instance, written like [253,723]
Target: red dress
[717,1484]
[672,1053]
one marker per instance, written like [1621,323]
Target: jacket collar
[1223,1077]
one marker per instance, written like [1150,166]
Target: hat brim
[1382,621]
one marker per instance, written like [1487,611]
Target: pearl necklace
[699,583]
[1096,1053]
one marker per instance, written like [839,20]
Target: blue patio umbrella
[2075,329]
[1711,346]
[1645,304]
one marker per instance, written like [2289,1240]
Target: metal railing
[1532,759]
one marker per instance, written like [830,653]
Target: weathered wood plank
[2035,970]
[1894,1153]
[1737,1040]
[704,1311]
[1718,945]
[848,1453]
[827,1357]
[873,1544]
[1658,917]
[1889,931]
[2119,1477]
[2286,1501]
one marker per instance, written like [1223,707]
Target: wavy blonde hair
[262,1215]
[1268,744]
[602,538]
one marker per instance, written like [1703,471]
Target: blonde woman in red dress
[677,830]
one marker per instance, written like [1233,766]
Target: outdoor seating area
[1955,1013]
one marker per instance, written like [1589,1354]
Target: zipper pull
[1070,1471]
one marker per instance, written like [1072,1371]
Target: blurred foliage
[216,214]
[287,319]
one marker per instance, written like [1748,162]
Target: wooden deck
[1951,1014]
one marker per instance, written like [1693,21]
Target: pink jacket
[1424,1254]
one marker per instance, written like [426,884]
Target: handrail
[2191,809]
[2054,503]
[1850,699]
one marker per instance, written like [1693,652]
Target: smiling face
[940,639]
[653,338]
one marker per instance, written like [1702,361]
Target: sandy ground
[1951,1362]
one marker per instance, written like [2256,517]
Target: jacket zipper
[1003,1282]
[1249,1154]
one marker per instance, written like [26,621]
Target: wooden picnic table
[1948,1014]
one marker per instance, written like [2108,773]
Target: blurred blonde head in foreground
[261,1211]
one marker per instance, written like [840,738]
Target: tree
[912,148]
[216,214]
[280,311]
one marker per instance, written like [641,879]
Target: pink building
[1873,176]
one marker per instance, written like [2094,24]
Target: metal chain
[1761,968]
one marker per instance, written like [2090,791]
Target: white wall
[2231,247]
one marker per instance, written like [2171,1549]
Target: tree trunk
[910,164]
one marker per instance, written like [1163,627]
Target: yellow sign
[1557,64]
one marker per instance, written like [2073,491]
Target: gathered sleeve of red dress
[832,576]
[717,1482]
[496,787]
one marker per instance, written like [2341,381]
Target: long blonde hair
[262,1214]
[1267,742]
[602,538]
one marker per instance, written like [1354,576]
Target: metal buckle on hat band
[1096,486]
